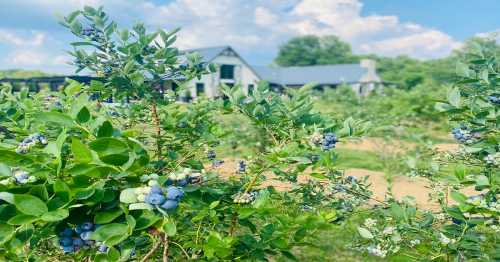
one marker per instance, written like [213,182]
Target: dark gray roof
[208,53]
[320,74]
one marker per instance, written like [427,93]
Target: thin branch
[165,248]
[151,252]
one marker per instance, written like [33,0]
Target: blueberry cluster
[494,99]
[329,141]
[166,199]
[184,177]
[244,197]
[493,159]
[19,177]
[72,240]
[93,33]
[29,142]
[242,167]
[211,155]
[462,134]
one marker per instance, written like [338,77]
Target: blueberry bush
[137,179]
[465,227]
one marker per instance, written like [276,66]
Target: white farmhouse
[232,69]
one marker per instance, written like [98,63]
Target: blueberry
[155,199]
[457,221]
[78,242]
[170,204]
[68,249]
[211,155]
[102,248]
[65,241]
[67,232]
[182,182]
[155,190]
[169,182]
[85,235]
[174,193]
[87,226]
[78,229]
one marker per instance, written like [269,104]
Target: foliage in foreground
[113,182]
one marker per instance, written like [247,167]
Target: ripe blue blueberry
[87,226]
[102,248]
[494,99]
[170,204]
[174,193]
[65,241]
[67,232]
[211,155]
[85,235]
[242,166]
[154,199]
[78,242]
[68,249]
[78,229]
[155,190]
[182,182]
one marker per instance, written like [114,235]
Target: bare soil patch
[417,187]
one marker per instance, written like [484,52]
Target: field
[409,172]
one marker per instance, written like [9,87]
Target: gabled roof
[208,53]
[320,74]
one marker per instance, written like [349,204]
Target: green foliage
[139,170]
[313,50]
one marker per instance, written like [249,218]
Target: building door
[200,89]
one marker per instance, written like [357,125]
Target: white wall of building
[243,75]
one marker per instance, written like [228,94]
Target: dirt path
[418,188]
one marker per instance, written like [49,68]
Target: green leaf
[80,151]
[22,219]
[83,116]
[462,69]
[214,204]
[128,196]
[459,197]
[365,233]
[454,97]
[105,130]
[7,197]
[5,170]
[107,216]
[482,180]
[55,117]
[111,150]
[56,215]
[170,228]
[6,233]
[30,205]
[84,193]
[106,232]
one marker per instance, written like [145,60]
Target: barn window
[227,72]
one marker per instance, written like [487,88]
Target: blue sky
[30,37]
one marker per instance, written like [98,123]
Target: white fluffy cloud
[266,24]
[255,28]
[14,38]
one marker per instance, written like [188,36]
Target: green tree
[314,50]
